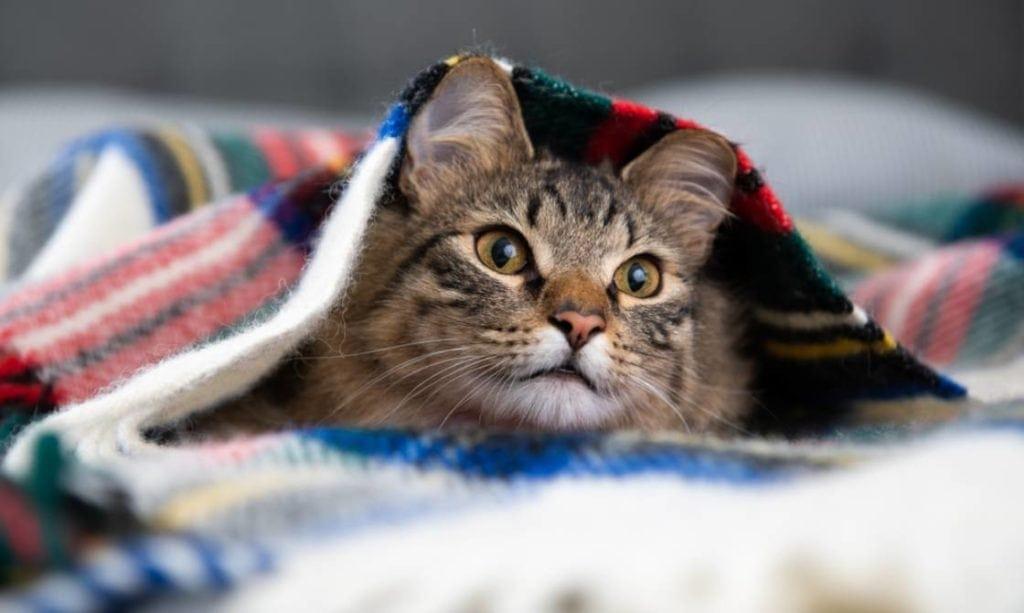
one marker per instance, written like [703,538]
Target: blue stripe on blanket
[944,388]
[135,572]
[395,123]
[504,456]
[137,149]
[297,206]
[273,201]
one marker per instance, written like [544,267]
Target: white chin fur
[550,350]
[558,403]
[593,361]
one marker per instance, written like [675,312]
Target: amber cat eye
[639,277]
[503,251]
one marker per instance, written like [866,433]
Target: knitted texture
[945,276]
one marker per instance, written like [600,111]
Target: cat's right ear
[470,126]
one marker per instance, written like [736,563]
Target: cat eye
[503,251]
[638,276]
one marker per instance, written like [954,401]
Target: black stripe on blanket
[170,171]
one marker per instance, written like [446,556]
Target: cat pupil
[502,251]
[636,277]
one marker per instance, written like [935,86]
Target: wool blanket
[945,275]
[152,273]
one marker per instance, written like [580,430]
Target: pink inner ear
[472,124]
[689,168]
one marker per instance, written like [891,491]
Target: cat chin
[549,400]
[551,403]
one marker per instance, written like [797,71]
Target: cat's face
[520,290]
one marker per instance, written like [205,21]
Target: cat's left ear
[688,174]
[471,126]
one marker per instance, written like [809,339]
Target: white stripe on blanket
[86,229]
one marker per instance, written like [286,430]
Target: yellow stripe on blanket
[834,248]
[838,348]
[191,169]
[192,507]
[913,411]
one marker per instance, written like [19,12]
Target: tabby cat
[506,288]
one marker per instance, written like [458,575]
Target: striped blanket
[152,273]
[944,275]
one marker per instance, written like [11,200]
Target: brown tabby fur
[428,336]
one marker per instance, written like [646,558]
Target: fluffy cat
[506,288]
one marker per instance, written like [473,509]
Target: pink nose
[578,328]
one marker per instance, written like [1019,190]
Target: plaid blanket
[945,276]
[225,251]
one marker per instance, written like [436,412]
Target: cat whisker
[380,349]
[485,367]
[504,383]
[696,406]
[660,396]
[668,372]
[394,369]
[625,401]
[477,382]
[495,362]
[459,368]
[721,418]
[460,362]
[633,350]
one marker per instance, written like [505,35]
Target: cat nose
[577,327]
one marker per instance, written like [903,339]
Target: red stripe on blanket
[310,150]
[281,157]
[1011,195]
[351,144]
[886,286]
[964,295]
[25,394]
[199,323]
[319,147]
[614,138]
[689,124]
[144,306]
[911,327]
[12,366]
[866,293]
[304,157]
[760,207]
[122,276]
[20,526]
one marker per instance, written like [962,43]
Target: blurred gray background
[842,104]
[337,54]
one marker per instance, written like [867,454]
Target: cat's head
[530,290]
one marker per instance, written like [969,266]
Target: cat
[506,288]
